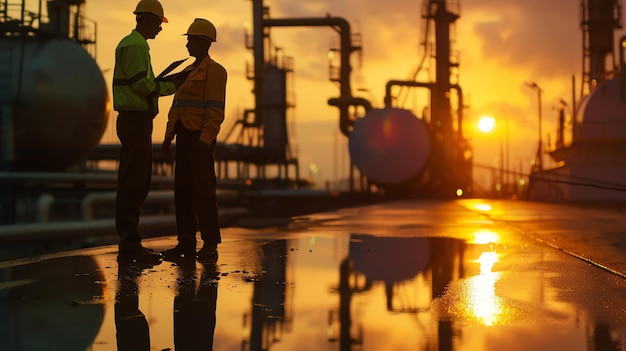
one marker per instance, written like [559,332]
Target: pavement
[409,275]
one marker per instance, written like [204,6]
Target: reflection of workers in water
[194,307]
[131,324]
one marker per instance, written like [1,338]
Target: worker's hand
[202,141]
[165,147]
[179,78]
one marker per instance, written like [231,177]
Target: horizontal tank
[58,106]
[390,146]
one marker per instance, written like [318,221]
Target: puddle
[341,292]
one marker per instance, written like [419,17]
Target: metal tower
[599,19]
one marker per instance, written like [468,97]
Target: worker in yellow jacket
[135,98]
[195,118]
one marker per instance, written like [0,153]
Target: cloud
[396,25]
[542,36]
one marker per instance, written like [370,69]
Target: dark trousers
[134,130]
[195,189]
[132,329]
[194,308]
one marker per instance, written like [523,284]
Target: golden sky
[501,45]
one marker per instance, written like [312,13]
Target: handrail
[62,20]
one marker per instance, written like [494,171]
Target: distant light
[484,237]
[467,154]
[483,207]
[521,181]
[248,182]
[459,192]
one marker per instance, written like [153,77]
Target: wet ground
[422,275]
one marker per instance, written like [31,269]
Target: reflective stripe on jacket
[199,101]
[134,88]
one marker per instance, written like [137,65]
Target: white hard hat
[203,28]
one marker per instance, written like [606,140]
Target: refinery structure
[47,129]
[51,156]
[390,148]
[589,150]
[53,180]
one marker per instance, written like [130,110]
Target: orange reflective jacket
[199,101]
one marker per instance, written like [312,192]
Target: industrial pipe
[345,94]
[390,84]
[343,105]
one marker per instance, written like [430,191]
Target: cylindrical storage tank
[59,102]
[390,146]
[602,115]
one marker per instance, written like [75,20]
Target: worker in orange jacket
[195,118]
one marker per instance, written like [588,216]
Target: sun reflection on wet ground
[386,277]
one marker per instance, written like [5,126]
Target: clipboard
[171,67]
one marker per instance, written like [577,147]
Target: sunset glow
[500,46]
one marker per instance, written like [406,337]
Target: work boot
[178,252]
[139,254]
[207,254]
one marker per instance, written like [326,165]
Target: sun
[486,124]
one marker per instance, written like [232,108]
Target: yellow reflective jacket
[134,88]
[199,101]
